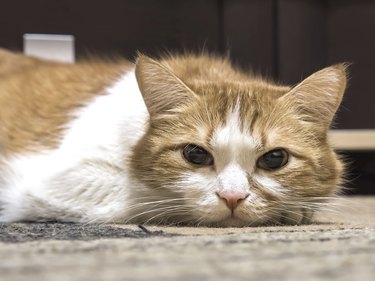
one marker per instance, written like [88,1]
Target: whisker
[168,208]
[175,212]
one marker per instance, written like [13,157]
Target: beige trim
[353,139]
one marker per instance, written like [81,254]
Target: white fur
[232,144]
[95,148]
[269,184]
[233,179]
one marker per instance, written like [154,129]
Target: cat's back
[37,97]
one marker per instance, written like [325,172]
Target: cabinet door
[249,34]
[115,26]
[350,38]
[314,34]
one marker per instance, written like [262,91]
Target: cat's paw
[296,216]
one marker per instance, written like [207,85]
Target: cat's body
[187,139]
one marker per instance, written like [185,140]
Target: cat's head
[237,150]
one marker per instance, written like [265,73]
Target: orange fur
[38,97]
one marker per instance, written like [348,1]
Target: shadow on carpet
[24,232]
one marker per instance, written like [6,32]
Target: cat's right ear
[161,89]
[319,95]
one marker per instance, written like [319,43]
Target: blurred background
[285,40]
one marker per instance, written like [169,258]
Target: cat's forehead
[232,120]
[238,105]
[225,95]
[231,140]
[232,126]
[237,121]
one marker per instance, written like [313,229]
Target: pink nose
[232,199]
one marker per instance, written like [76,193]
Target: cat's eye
[197,155]
[273,159]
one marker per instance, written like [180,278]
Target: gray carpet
[340,246]
[24,232]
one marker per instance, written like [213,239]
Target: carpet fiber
[339,246]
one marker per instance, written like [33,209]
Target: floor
[339,246]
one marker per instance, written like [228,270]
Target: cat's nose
[232,199]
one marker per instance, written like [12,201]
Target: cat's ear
[161,89]
[318,97]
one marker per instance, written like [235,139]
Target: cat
[185,139]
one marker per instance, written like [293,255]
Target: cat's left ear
[318,97]
[161,89]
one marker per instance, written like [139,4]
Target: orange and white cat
[184,139]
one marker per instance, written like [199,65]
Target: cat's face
[238,153]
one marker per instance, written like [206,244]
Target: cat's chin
[232,221]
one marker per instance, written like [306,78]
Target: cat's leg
[296,215]
[39,189]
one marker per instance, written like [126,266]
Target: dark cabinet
[313,34]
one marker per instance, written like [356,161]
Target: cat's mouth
[237,218]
